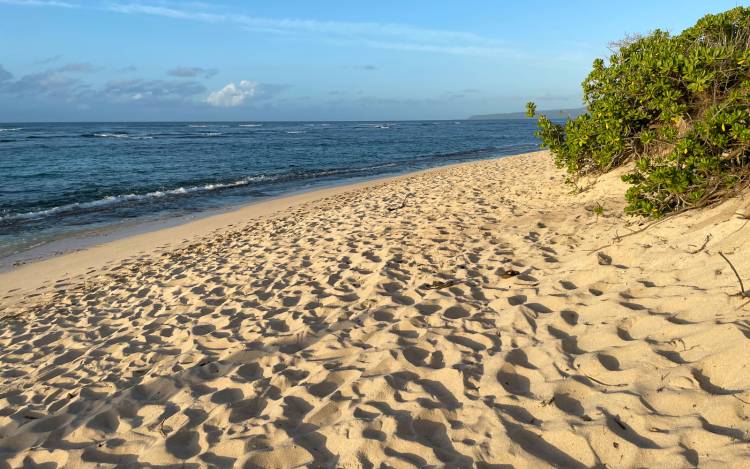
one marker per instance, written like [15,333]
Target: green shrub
[676,106]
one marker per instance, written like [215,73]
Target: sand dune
[463,317]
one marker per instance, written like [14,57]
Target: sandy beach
[477,315]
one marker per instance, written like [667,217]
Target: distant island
[551,113]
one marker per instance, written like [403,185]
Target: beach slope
[480,314]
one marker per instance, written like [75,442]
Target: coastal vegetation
[674,108]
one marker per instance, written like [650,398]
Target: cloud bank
[65,84]
[152,91]
[4,74]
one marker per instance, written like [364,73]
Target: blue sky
[63,60]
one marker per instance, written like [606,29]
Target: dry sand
[378,327]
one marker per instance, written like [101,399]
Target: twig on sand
[705,243]
[161,426]
[618,385]
[742,286]
[438,285]
[619,238]
[403,203]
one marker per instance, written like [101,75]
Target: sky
[157,60]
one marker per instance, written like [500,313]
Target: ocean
[70,179]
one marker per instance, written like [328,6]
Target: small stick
[742,286]
[618,238]
[403,204]
[705,243]
[602,382]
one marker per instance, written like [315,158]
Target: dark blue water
[58,179]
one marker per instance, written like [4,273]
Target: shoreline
[82,240]
[73,256]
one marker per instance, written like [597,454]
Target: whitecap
[111,135]
[117,199]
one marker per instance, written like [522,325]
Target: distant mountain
[551,113]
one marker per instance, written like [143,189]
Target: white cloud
[392,36]
[369,34]
[233,95]
[470,49]
[38,3]
[164,11]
